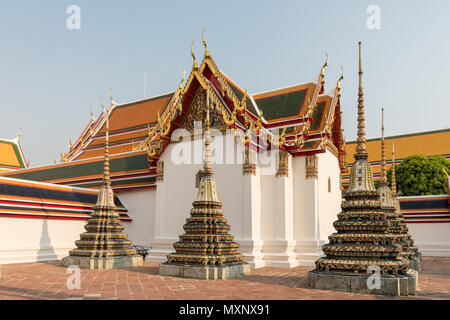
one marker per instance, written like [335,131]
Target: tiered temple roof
[428,143]
[30,199]
[309,119]
[11,155]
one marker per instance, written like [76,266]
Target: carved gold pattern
[283,164]
[249,166]
[159,171]
[311,166]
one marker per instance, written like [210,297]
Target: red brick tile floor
[47,280]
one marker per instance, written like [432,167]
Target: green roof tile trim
[118,182]
[283,105]
[17,152]
[317,115]
[308,144]
[84,169]
[239,94]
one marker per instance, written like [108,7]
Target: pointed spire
[361,151]
[322,71]
[105,198]
[393,182]
[383,158]
[106,172]
[195,66]
[338,85]
[207,161]
[207,55]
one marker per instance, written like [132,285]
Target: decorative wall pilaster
[159,171]
[283,164]
[312,166]
[249,166]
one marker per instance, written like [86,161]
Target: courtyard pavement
[47,280]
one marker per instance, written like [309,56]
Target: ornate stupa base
[414,262]
[390,285]
[100,263]
[205,272]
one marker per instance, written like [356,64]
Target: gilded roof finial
[20,133]
[340,79]
[111,98]
[393,182]
[92,113]
[70,145]
[182,80]
[101,104]
[322,71]
[383,158]
[361,151]
[195,67]
[207,55]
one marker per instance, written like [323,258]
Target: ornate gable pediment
[197,112]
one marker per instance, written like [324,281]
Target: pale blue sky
[50,75]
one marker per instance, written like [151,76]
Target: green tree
[419,175]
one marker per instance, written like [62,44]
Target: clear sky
[49,75]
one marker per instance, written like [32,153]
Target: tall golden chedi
[104,246]
[206,250]
[363,256]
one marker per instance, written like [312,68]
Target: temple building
[277,156]
[280,190]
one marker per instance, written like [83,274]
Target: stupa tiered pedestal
[206,250]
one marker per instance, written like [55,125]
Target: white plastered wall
[315,209]
[175,194]
[432,239]
[30,240]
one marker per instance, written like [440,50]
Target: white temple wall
[268,208]
[315,209]
[307,246]
[31,240]
[432,239]
[329,203]
[141,206]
